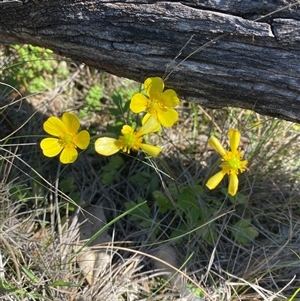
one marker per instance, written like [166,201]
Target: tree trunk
[253,64]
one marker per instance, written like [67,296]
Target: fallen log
[250,58]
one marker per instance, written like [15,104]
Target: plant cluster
[159,106]
[127,159]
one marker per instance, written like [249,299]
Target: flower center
[67,141]
[154,105]
[129,142]
[232,162]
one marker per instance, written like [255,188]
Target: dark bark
[255,65]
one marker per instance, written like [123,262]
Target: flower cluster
[157,103]
[159,106]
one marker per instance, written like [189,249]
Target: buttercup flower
[157,103]
[129,140]
[67,138]
[232,163]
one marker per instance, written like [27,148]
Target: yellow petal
[167,117]
[151,150]
[215,143]
[154,86]
[68,155]
[234,139]
[138,103]
[51,147]
[233,184]
[169,98]
[82,139]
[106,146]
[127,129]
[150,126]
[146,117]
[54,126]
[71,122]
[214,181]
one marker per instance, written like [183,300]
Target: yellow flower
[232,163]
[157,103]
[68,138]
[129,140]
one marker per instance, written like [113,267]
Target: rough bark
[255,64]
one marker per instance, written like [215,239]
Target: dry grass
[45,248]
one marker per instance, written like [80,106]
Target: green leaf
[30,274]
[141,179]
[195,290]
[208,232]
[117,99]
[187,199]
[93,97]
[146,224]
[179,233]
[162,201]
[173,190]
[198,189]
[239,198]
[67,185]
[243,232]
[143,212]
[110,170]
[6,288]
[193,215]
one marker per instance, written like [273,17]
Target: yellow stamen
[153,106]
[129,141]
